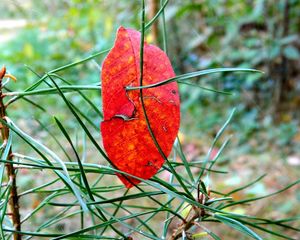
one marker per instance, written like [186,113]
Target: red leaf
[126,137]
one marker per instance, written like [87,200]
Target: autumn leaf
[126,137]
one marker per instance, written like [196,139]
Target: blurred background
[201,34]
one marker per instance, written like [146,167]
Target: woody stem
[193,215]
[11,172]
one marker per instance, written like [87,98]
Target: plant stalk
[11,172]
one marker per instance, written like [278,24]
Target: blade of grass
[219,134]
[237,225]
[81,168]
[5,196]
[42,79]
[263,229]
[184,160]
[85,129]
[110,222]
[79,61]
[124,207]
[214,160]
[164,27]
[265,196]
[205,88]
[170,200]
[187,76]
[83,95]
[160,11]
[40,206]
[246,186]
[53,235]
[36,74]
[54,138]
[178,178]
[57,218]
[47,91]
[33,190]
[33,104]
[36,146]
[4,155]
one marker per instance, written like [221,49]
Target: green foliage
[56,141]
[246,34]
